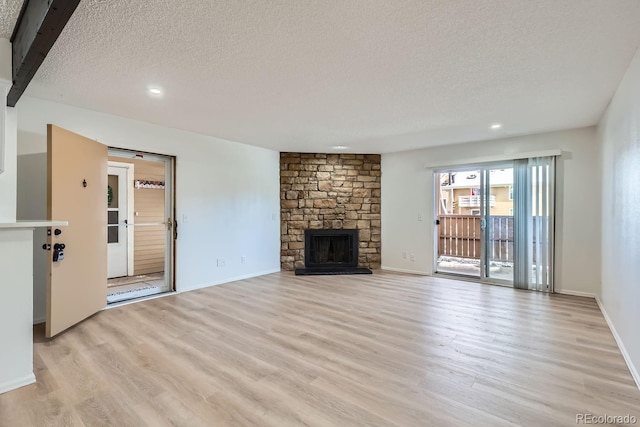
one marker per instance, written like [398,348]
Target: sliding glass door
[475,223]
[498,224]
[494,223]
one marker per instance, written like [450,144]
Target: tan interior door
[77,193]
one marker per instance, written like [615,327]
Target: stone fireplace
[329,192]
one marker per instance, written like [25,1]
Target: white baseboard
[17,383]
[229,280]
[402,270]
[623,349]
[634,372]
[576,293]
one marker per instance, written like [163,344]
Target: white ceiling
[375,75]
[9,10]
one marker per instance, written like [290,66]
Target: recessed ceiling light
[155,91]
[496,126]
[340,147]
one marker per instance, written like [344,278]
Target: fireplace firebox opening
[331,251]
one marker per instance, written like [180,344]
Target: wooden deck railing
[459,236]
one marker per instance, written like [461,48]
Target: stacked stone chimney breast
[322,191]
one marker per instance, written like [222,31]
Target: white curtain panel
[534,196]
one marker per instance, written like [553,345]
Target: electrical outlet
[185,218]
[420,216]
[243,259]
[221,262]
[404,255]
[412,257]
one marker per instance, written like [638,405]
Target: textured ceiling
[374,75]
[9,10]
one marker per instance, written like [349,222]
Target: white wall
[8,138]
[228,191]
[8,177]
[32,205]
[16,357]
[407,192]
[619,134]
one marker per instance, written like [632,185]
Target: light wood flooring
[380,350]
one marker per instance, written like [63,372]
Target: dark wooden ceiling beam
[39,24]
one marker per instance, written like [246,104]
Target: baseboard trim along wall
[402,270]
[576,293]
[229,280]
[634,371]
[623,349]
[14,384]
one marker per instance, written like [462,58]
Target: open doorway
[140,232]
[70,182]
